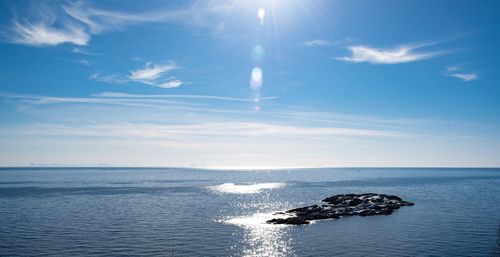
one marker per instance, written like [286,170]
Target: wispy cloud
[400,54]
[222,129]
[84,62]
[151,74]
[109,78]
[453,71]
[70,133]
[206,142]
[210,104]
[125,99]
[151,71]
[168,129]
[464,76]
[79,50]
[168,84]
[204,97]
[41,33]
[75,23]
[318,42]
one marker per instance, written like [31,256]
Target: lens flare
[256,79]
[258,52]
[261,13]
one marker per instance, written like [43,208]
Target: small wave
[231,188]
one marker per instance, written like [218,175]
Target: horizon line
[244,168]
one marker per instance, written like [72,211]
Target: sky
[250,84]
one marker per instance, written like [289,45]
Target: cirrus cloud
[151,74]
[464,76]
[400,54]
[456,72]
[317,42]
[46,24]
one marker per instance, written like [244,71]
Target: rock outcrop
[343,205]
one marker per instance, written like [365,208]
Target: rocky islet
[341,205]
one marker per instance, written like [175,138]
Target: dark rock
[393,197]
[406,203]
[311,208]
[367,204]
[289,221]
[367,212]
[355,202]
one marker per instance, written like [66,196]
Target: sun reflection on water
[254,188]
[262,239]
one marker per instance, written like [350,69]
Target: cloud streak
[453,71]
[400,54]
[464,76]
[79,50]
[109,78]
[208,104]
[201,97]
[124,99]
[208,129]
[151,75]
[151,71]
[318,43]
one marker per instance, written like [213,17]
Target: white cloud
[170,84]
[401,54]
[452,71]
[317,42]
[464,76]
[151,74]
[151,71]
[43,34]
[50,25]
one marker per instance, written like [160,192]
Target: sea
[197,212]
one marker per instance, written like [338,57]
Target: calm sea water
[187,212]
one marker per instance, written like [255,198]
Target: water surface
[190,212]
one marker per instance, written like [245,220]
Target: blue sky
[215,84]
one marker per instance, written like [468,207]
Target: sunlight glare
[262,239]
[261,13]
